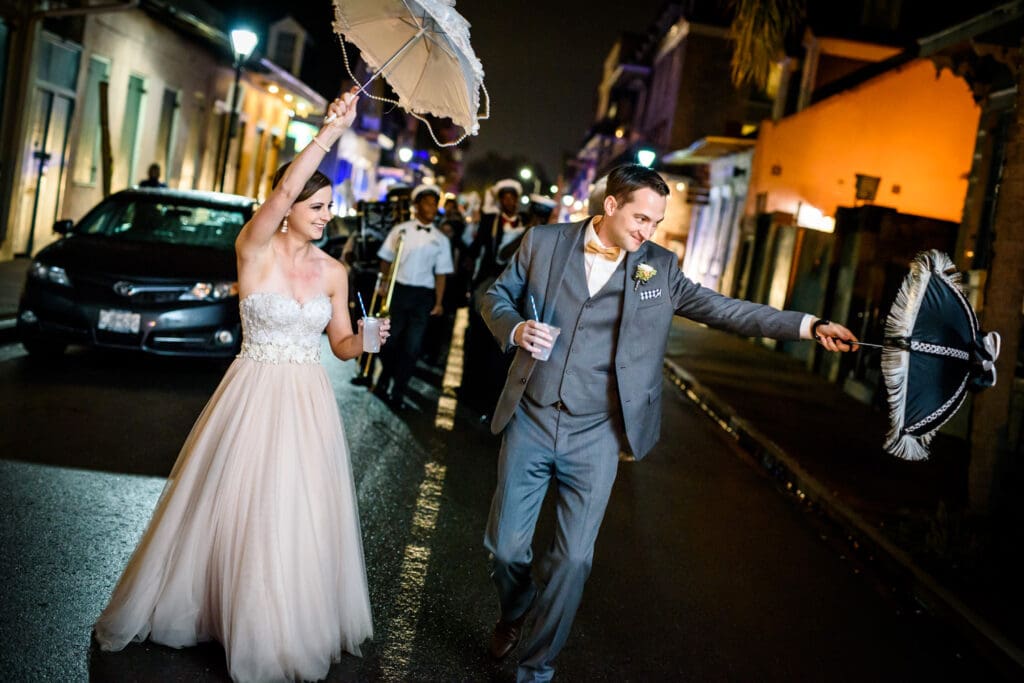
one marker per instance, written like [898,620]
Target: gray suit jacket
[538,269]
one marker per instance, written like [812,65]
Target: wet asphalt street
[703,571]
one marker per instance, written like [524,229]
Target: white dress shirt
[426,252]
[599,269]
[509,227]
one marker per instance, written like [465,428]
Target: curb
[990,642]
[8,330]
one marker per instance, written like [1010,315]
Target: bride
[255,541]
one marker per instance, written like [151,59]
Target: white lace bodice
[278,329]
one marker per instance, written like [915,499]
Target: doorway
[45,161]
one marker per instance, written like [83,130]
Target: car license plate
[119,321]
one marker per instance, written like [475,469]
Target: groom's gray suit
[569,417]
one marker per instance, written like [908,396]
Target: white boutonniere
[642,274]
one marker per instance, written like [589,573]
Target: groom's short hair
[624,180]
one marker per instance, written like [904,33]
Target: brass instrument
[386,304]
[376,288]
[393,274]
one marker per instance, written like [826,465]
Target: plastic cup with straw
[544,353]
[371,329]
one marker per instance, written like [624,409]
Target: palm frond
[759,29]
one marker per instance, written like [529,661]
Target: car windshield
[166,220]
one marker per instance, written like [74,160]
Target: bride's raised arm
[257,233]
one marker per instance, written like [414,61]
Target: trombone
[392,275]
[385,307]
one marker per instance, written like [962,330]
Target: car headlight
[210,291]
[54,274]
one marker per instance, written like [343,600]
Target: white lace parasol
[422,49]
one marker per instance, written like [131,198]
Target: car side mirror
[63,227]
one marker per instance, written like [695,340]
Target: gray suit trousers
[580,452]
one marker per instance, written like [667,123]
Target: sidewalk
[824,447]
[12,277]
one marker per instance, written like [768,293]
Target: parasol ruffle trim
[895,366]
[896,362]
[911,448]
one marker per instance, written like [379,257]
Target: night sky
[542,62]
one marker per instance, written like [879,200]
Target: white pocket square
[647,295]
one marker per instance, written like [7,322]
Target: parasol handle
[901,344]
[385,65]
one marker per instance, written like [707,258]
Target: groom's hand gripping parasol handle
[833,336]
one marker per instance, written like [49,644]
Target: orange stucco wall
[910,127]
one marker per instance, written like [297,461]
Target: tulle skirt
[255,540]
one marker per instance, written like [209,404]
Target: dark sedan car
[151,270]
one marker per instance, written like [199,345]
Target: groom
[613,294]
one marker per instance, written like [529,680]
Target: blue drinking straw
[360,295]
[533,302]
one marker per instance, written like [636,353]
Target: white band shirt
[426,252]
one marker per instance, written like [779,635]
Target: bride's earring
[284,224]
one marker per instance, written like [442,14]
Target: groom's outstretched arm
[753,320]
[746,318]
[501,304]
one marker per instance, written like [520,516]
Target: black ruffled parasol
[934,352]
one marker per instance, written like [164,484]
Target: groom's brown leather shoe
[506,636]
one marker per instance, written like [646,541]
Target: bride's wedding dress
[255,541]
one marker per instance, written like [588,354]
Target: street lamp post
[243,42]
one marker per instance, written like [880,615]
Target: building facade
[107,94]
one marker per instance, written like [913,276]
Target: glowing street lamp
[404,155]
[243,42]
[526,173]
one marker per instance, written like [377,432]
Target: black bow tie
[423,227]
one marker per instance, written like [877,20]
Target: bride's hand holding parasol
[340,115]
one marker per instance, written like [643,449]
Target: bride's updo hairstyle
[315,182]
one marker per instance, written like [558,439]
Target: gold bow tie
[610,253]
